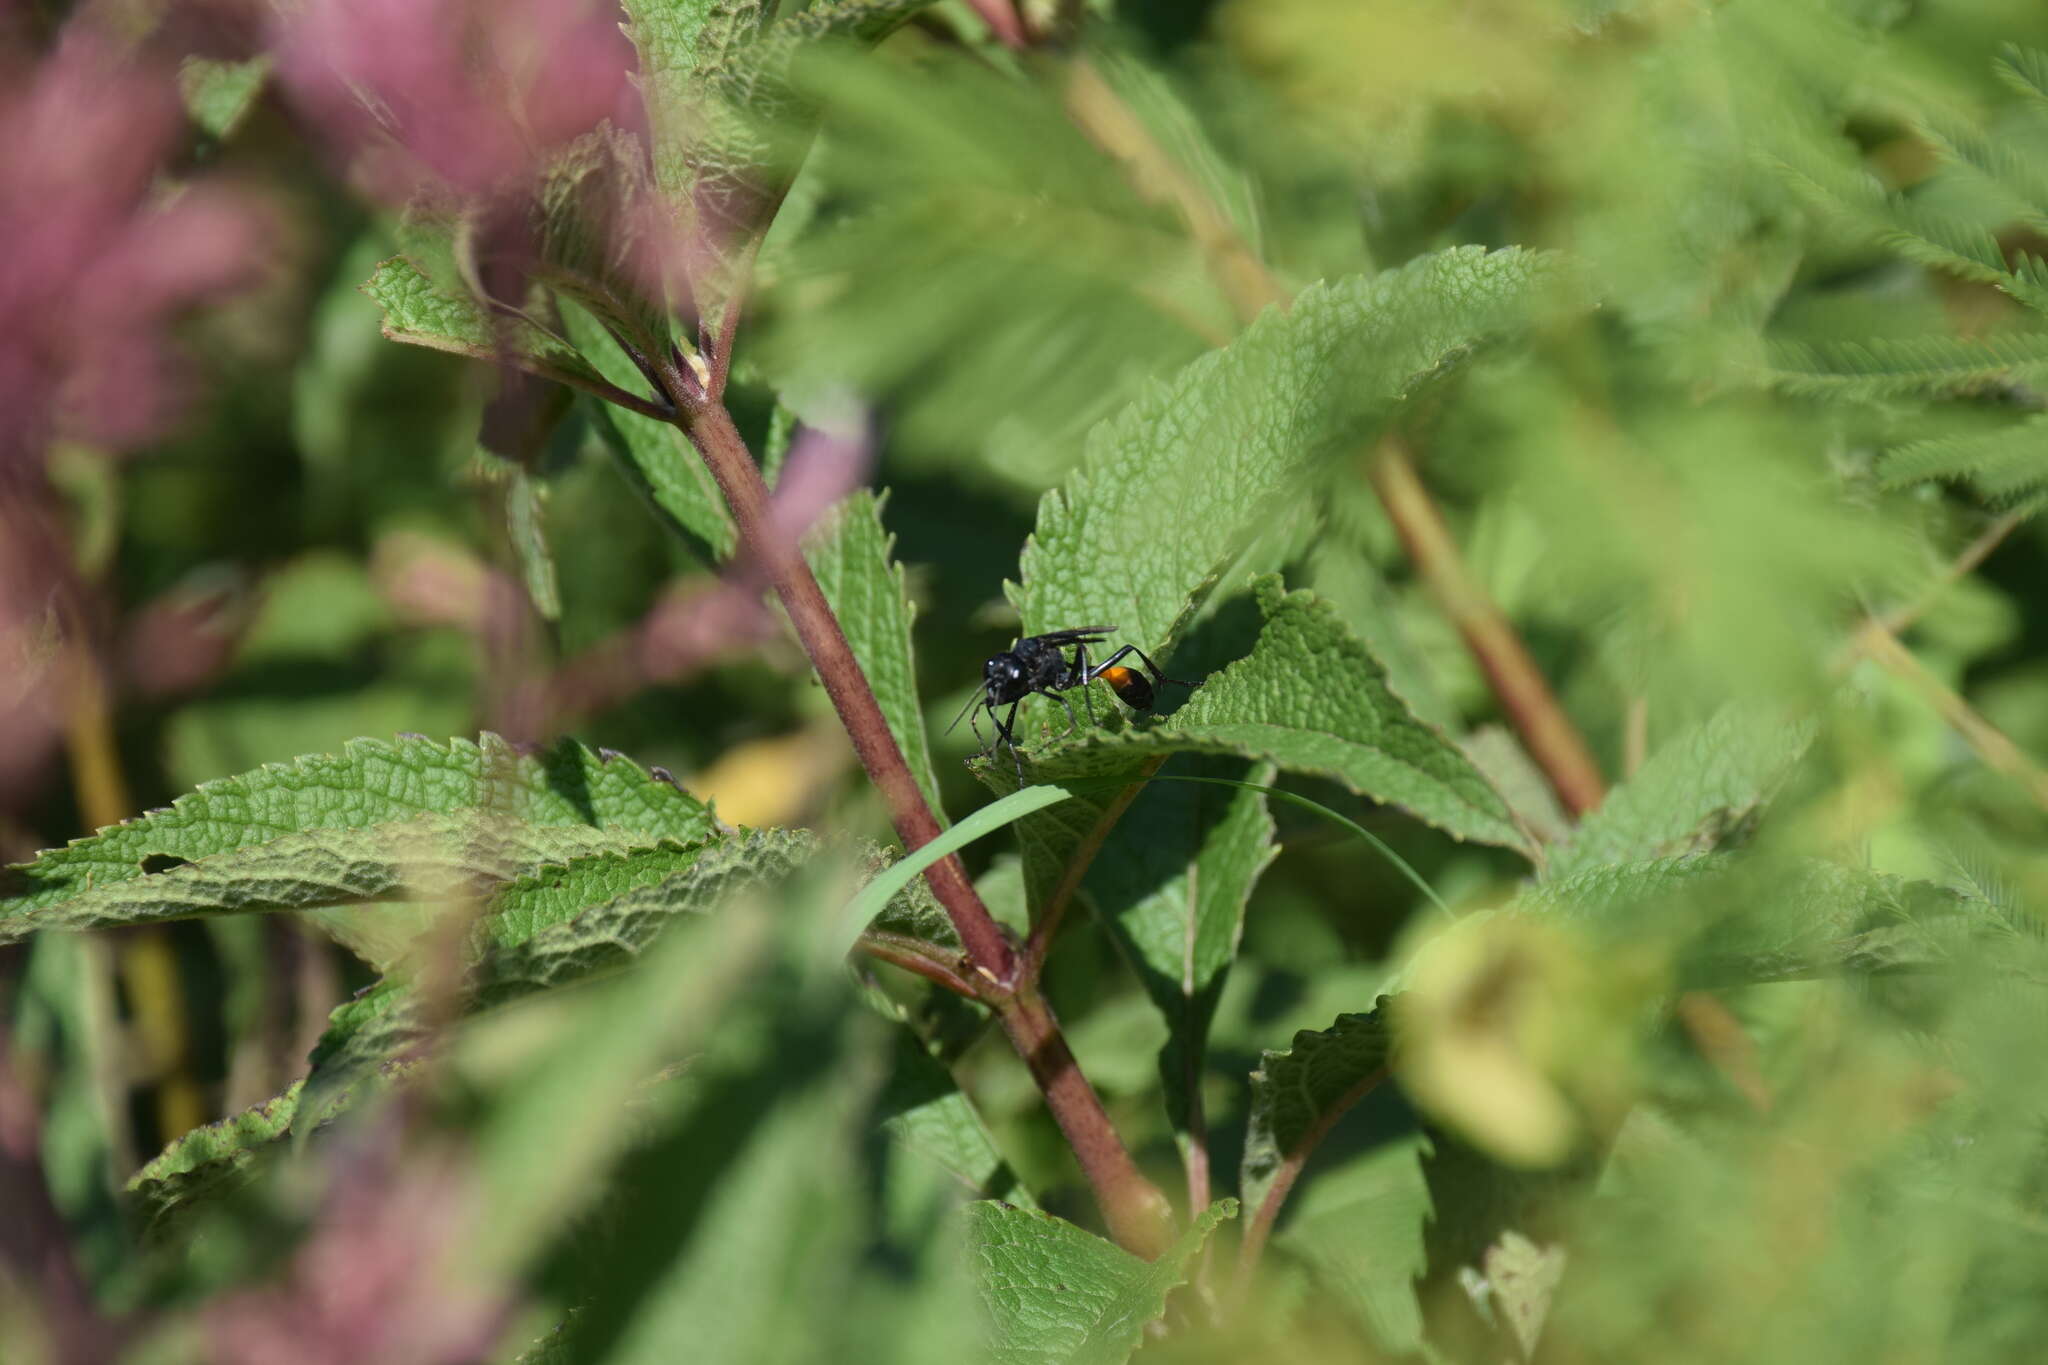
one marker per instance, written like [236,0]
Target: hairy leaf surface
[485,793]
[1299,1093]
[602,938]
[1171,489]
[1171,887]
[1059,1294]
[1309,698]
[850,553]
[656,457]
[210,1160]
[420,312]
[923,1108]
[1688,792]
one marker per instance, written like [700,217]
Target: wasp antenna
[977,699]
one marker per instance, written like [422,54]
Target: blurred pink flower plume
[469,94]
[98,259]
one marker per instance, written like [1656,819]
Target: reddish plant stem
[1261,1225]
[915,955]
[1547,732]
[596,388]
[710,427]
[1139,1217]
[1137,1213]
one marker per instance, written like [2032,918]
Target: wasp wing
[1078,635]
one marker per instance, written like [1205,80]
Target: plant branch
[597,388]
[1139,1217]
[1727,1047]
[1195,1157]
[1261,1225]
[710,428]
[924,959]
[1973,554]
[1547,732]
[1108,121]
[1991,743]
[1135,1210]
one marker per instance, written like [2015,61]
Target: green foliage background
[1718,333]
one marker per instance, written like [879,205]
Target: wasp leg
[1082,677]
[1008,726]
[974,720]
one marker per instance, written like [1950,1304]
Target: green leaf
[599,939]
[886,885]
[429,858]
[775,1220]
[923,1109]
[65,1024]
[2025,70]
[850,553]
[608,935]
[2004,464]
[2005,165]
[1310,698]
[1725,920]
[731,134]
[551,895]
[1886,367]
[420,312]
[553,1132]
[1360,1228]
[594,246]
[1298,1094]
[1059,1294]
[554,895]
[211,1160]
[1171,489]
[656,456]
[487,788]
[1171,888]
[1523,1277]
[219,94]
[526,529]
[1688,794]
[676,38]
[1961,246]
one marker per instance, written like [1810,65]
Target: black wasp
[1035,664]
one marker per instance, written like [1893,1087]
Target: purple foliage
[467,95]
[99,257]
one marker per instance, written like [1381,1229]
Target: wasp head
[1004,678]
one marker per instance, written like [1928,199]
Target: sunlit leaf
[511,808]
[1058,1294]
[1173,487]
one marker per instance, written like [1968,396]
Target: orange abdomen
[1133,688]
